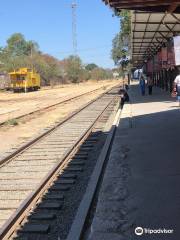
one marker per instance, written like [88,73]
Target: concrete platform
[141,186]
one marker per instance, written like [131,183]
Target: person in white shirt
[177,87]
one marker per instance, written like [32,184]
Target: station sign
[177,50]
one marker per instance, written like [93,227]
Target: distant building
[115,74]
[4,81]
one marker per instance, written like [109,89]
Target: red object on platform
[150,66]
[164,56]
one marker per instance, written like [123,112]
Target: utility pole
[74,26]
[31,56]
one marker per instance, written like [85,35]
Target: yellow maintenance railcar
[24,79]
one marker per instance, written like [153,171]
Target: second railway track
[28,173]
[46,108]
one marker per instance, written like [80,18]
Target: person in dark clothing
[126,87]
[142,84]
[149,83]
[124,97]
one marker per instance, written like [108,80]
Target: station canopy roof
[146,5]
[153,23]
[150,31]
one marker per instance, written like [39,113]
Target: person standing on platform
[177,87]
[142,84]
[149,83]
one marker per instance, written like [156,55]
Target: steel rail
[11,224]
[36,139]
[51,106]
[77,228]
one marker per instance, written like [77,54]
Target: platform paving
[141,185]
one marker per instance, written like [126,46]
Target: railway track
[81,225]
[26,174]
[49,107]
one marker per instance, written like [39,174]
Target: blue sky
[50,24]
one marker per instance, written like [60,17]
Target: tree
[90,66]
[18,46]
[10,62]
[17,52]
[73,68]
[118,50]
[22,53]
[101,74]
[48,67]
[122,43]
[84,75]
